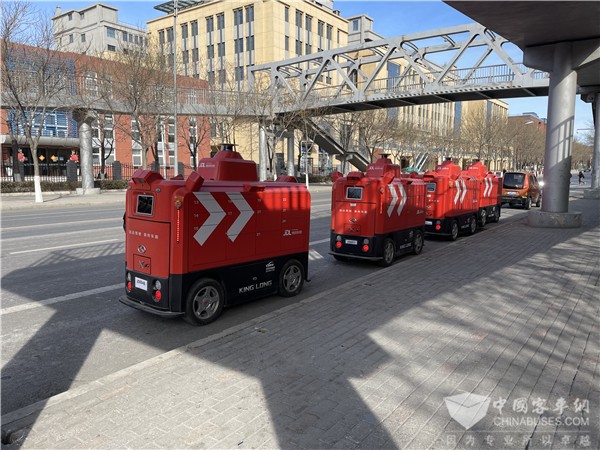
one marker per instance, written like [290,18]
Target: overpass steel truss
[360,71]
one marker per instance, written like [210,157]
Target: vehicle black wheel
[454,231]
[340,258]
[495,217]
[482,218]
[389,253]
[291,278]
[418,242]
[527,204]
[473,225]
[539,201]
[204,302]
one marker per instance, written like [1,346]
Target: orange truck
[377,215]
[490,193]
[218,238]
[452,201]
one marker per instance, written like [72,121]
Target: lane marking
[318,242]
[90,230]
[62,298]
[80,244]
[58,224]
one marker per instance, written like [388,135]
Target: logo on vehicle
[143,265]
[270,267]
[142,249]
[293,232]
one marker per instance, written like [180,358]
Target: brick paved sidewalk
[510,314]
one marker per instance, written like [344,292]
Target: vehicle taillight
[128,284]
[438,226]
[157,296]
[338,244]
[365,248]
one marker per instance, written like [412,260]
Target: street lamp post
[175,140]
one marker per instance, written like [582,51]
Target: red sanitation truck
[490,193]
[377,215]
[452,201]
[217,238]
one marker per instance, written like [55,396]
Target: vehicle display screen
[430,187]
[354,193]
[144,205]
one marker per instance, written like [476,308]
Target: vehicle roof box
[477,169]
[449,169]
[227,165]
[382,166]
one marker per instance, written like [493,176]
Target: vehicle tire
[418,241]
[389,253]
[454,231]
[291,278]
[205,302]
[539,201]
[473,225]
[482,218]
[495,217]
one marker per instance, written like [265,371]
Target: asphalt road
[62,273]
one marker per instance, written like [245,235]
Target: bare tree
[104,139]
[33,76]
[375,130]
[194,130]
[480,132]
[141,83]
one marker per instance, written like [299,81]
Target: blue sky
[391,18]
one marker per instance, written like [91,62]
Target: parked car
[521,189]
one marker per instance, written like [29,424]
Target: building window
[110,32]
[287,43]
[70,16]
[222,76]
[184,31]
[195,55]
[186,56]
[250,13]
[250,43]
[239,45]
[170,34]
[211,77]
[83,37]
[130,37]
[355,25]
[221,49]
[298,47]
[210,51]
[81,15]
[299,19]
[238,17]
[112,48]
[161,37]
[308,49]
[308,23]
[195,28]
[287,14]
[220,21]
[239,74]
[71,38]
[210,24]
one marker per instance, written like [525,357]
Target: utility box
[377,215]
[218,238]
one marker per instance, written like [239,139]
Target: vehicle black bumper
[144,307]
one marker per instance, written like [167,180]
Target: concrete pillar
[291,161]
[262,152]
[594,192]
[559,141]
[86,161]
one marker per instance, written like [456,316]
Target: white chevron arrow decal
[394,199]
[216,215]
[403,200]
[457,191]
[487,186]
[464,192]
[246,213]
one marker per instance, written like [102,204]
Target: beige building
[94,30]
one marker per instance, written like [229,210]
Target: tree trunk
[36,175]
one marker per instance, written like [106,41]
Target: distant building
[360,29]
[529,118]
[94,30]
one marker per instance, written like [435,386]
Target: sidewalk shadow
[314,362]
